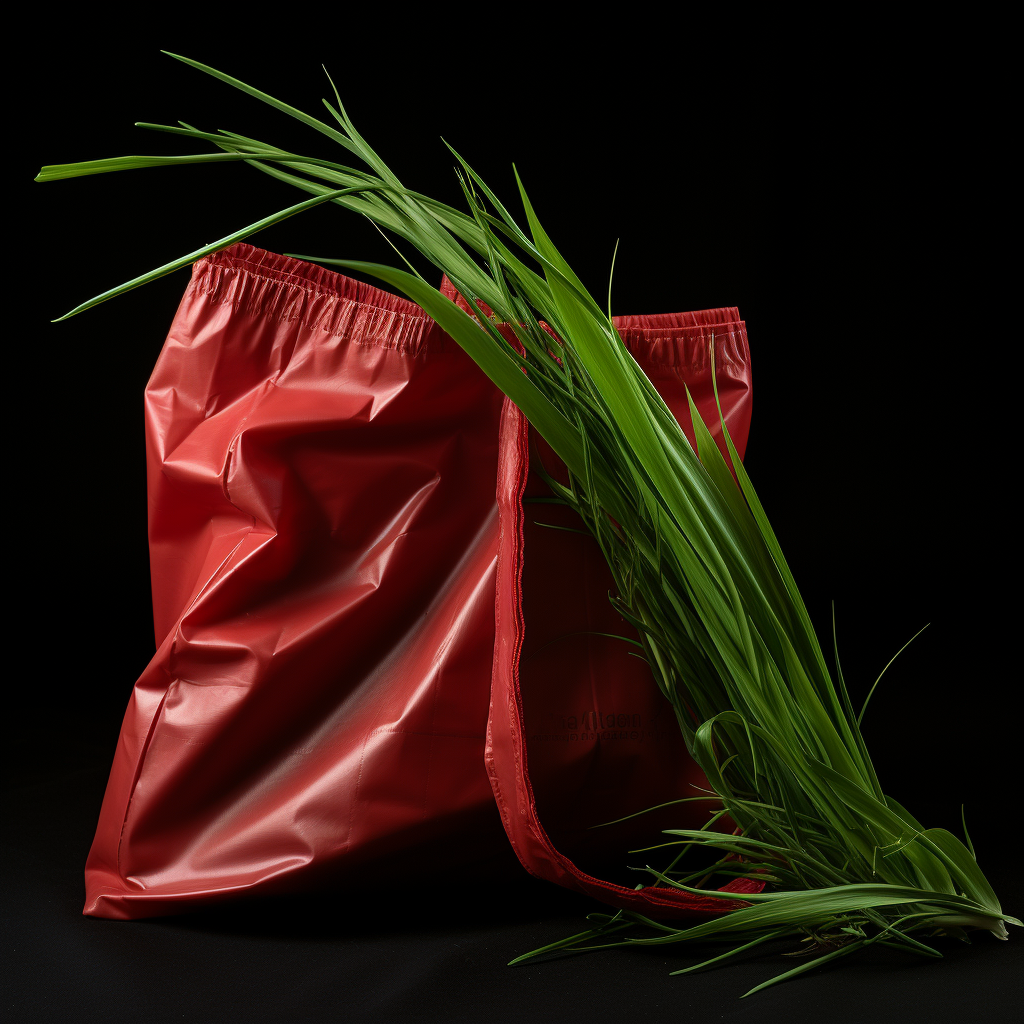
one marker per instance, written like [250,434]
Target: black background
[840,184]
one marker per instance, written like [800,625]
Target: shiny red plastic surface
[324,533]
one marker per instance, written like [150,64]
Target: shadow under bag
[374,659]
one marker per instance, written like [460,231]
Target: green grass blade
[206,250]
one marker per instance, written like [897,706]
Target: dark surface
[846,203]
[402,953]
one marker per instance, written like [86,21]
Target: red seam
[651,896]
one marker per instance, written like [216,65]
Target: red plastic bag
[323,464]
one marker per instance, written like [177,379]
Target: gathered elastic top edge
[669,339]
[285,288]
